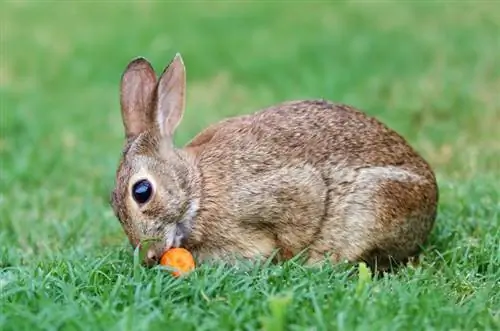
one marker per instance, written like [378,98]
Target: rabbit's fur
[309,175]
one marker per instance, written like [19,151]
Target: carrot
[180,259]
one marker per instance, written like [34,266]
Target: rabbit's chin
[176,233]
[173,236]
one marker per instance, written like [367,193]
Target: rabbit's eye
[142,190]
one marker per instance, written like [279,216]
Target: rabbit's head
[154,181]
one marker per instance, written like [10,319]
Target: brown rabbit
[305,176]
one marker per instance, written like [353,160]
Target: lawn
[429,70]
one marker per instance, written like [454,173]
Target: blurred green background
[430,70]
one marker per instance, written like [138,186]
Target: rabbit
[308,177]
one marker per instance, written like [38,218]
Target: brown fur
[301,175]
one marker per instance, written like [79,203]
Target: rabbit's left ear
[138,83]
[171,96]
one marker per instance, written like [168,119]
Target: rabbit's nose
[151,257]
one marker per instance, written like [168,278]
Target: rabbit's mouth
[172,234]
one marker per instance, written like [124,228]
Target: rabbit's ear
[171,96]
[137,87]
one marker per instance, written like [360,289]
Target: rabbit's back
[320,175]
[315,132]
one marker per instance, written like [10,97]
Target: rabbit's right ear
[171,96]
[136,96]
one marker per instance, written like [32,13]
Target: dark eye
[142,190]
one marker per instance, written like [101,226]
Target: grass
[429,70]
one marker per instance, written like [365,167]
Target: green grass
[429,70]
